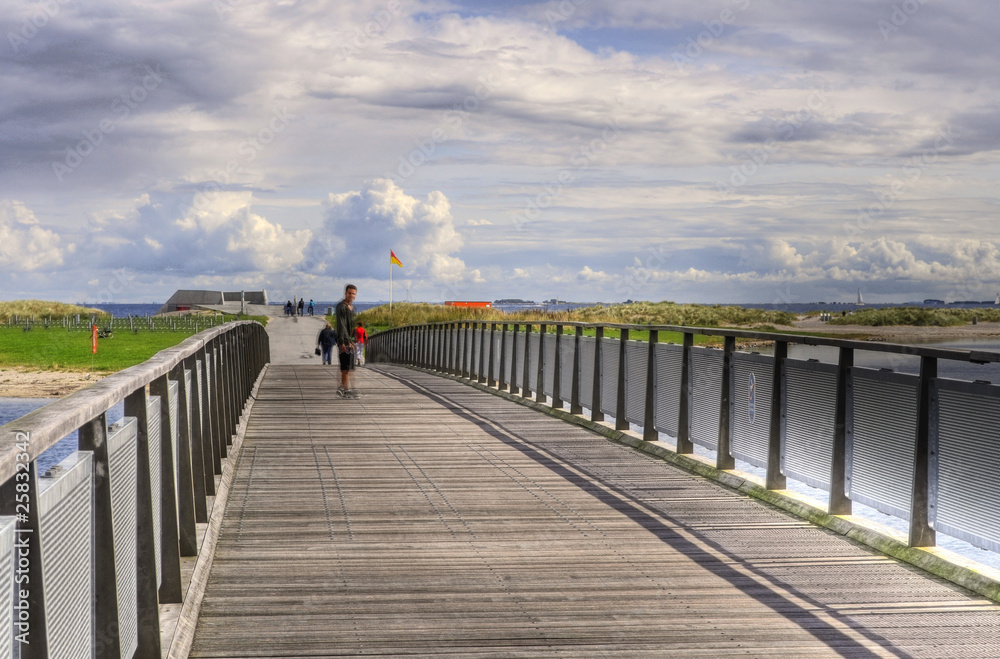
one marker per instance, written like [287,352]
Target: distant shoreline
[25,383]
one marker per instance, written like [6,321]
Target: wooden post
[684,444]
[621,422]
[649,432]
[170,560]
[596,414]
[723,454]
[839,503]
[921,533]
[775,480]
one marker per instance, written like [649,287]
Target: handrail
[54,421]
[126,504]
[906,453]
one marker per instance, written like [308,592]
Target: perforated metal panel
[7,525]
[475,351]
[519,364]
[65,514]
[566,344]
[588,345]
[965,461]
[497,348]
[750,407]
[636,358]
[706,395]
[669,360]
[609,375]
[809,398]
[549,365]
[467,349]
[153,414]
[881,438]
[122,460]
[508,351]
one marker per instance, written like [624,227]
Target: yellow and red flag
[393,259]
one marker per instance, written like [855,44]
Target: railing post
[185,485]
[649,432]
[621,422]
[208,429]
[148,623]
[557,403]
[196,442]
[775,480]
[218,408]
[839,503]
[574,387]
[466,356]
[526,376]
[921,533]
[481,370]
[723,455]
[540,373]
[490,380]
[170,559]
[684,444]
[514,389]
[501,376]
[596,413]
[93,436]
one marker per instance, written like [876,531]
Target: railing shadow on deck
[90,549]
[920,447]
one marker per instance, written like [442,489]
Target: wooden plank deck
[433,519]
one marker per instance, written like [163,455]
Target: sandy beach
[24,383]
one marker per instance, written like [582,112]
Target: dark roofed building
[185,300]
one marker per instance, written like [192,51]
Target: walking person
[326,340]
[360,336]
[302,303]
[344,315]
[312,307]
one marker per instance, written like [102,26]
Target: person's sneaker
[342,392]
[352,393]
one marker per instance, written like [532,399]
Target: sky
[710,151]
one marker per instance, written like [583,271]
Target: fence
[82,323]
[90,549]
[920,447]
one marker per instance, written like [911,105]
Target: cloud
[221,235]
[360,227]
[25,245]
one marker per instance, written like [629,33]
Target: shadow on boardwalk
[433,519]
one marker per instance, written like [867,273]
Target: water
[15,408]
[123,310]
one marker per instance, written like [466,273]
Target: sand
[24,383]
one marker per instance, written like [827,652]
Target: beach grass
[917,317]
[41,309]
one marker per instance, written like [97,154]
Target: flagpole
[390,285]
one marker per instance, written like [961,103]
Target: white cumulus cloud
[25,245]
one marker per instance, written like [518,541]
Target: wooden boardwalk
[433,519]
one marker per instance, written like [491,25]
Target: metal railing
[920,447]
[90,549]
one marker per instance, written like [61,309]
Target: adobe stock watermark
[451,122]
[714,30]
[248,150]
[643,272]
[580,161]
[564,10]
[911,174]
[43,13]
[900,15]
[757,157]
[366,34]
[122,107]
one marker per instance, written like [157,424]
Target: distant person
[312,307]
[288,307]
[345,340]
[360,336]
[301,304]
[326,340]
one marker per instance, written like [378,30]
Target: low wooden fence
[90,549]
[920,447]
